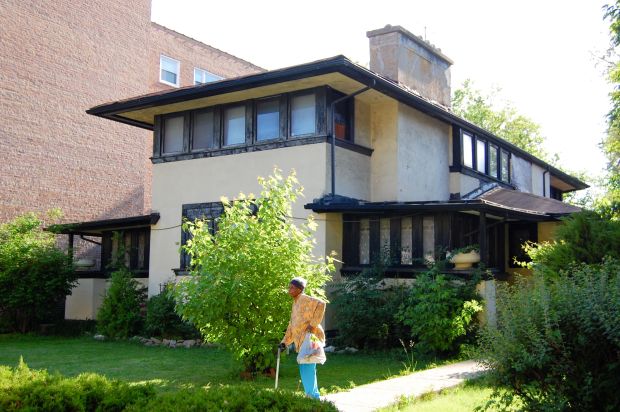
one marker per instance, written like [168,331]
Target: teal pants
[308,379]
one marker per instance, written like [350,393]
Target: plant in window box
[464,257]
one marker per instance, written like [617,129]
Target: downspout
[545,183]
[333,126]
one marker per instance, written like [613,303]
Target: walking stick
[277,367]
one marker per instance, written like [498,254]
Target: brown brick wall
[57,59]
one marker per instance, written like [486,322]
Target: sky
[544,55]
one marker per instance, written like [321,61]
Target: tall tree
[504,121]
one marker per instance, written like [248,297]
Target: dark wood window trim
[162,136]
[133,250]
[216,128]
[211,211]
[282,126]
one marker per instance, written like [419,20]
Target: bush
[584,237]
[120,313]
[439,310]
[24,389]
[36,390]
[365,311]
[34,274]
[236,295]
[163,321]
[557,345]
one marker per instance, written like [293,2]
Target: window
[202,76]
[468,150]
[481,156]
[135,245]
[505,166]
[518,234]
[234,125]
[169,71]
[268,119]
[493,156]
[343,117]
[303,114]
[210,211]
[173,134]
[203,131]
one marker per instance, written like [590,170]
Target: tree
[34,273]
[504,122]
[236,294]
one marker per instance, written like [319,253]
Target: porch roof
[97,227]
[497,201]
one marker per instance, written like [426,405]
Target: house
[383,160]
[56,58]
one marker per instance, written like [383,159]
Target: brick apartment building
[58,58]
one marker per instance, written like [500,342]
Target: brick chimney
[402,56]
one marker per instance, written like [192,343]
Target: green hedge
[24,389]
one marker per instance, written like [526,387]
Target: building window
[268,119]
[468,150]
[206,211]
[481,156]
[202,76]
[203,130]
[173,131]
[303,114]
[505,166]
[343,117]
[518,234]
[169,70]
[234,125]
[493,156]
[134,244]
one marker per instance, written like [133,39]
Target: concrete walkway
[376,395]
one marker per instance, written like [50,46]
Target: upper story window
[481,156]
[202,76]
[173,134]
[234,125]
[203,130]
[493,160]
[268,119]
[485,157]
[505,166]
[468,150]
[303,114]
[169,70]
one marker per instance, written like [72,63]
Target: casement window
[343,117]
[468,150]
[133,243]
[204,131]
[209,211]
[493,160]
[202,76]
[505,166]
[303,114]
[268,119]
[234,125]
[481,156]
[169,71]
[173,132]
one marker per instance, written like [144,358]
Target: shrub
[163,321]
[557,345]
[584,237]
[365,311]
[120,313]
[439,310]
[24,389]
[236,295]
[34,273]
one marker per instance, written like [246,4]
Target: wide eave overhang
[97,227]
[338,72]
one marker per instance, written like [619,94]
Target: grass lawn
[462,398]
[170,369]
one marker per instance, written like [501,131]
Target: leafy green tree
[505,122]
[34,273]
[236,294]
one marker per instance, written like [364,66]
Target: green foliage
[440,310]
[235,398]
[24,389]
[120,313]
[163,321]
[557,344]
[236,294]
[504,122]
[365,310]
[34,273]
[584,237]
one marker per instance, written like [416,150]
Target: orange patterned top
[307,311]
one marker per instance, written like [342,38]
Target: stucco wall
[463,184]
[352,174]
[521,174]
[362,123]
[383,165]
[540,185]
[86,298]
[423,171]
[206,180]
